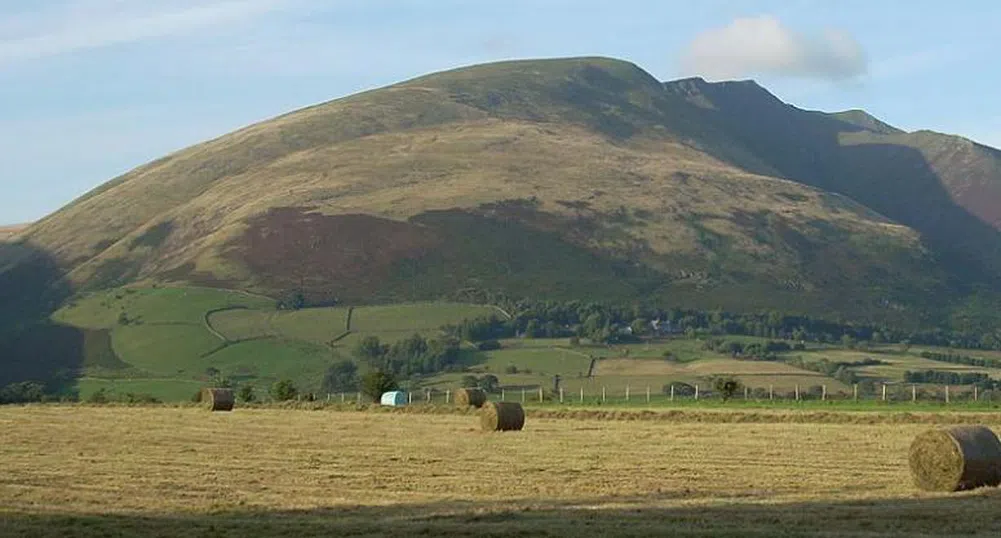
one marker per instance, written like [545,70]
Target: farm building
[394,398]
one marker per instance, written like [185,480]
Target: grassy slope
[557,477]
[414,318]
[153,306]
[316,325]
[243,324]
[165,349]
[167,390]
[945,187]
[594,133]
[168,346]
[170,353]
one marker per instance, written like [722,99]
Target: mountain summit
[566,178]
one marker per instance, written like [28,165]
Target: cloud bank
[764,46]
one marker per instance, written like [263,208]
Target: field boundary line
[208,324]
[339,337]
[501,310]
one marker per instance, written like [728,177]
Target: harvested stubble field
[160,471]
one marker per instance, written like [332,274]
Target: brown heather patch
[288,247]
[7,232]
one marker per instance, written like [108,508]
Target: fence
[678,393]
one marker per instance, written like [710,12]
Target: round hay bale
[218,399]
[502,416]
[955,459]
[470,397]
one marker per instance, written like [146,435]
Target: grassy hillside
[945,187]
[164,341]
[573,178]
[167,342]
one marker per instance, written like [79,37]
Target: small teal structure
[394,398]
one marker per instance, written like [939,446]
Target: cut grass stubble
[287,472]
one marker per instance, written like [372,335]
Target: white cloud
[764,46]
[88,24]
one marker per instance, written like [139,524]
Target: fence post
[410,397]
[648,394]
[602,394]
[771,393]
[328,397]
[627,393]
[561,394]
[540,394]
[696,391]
[745,392]
[884,392]
[342,397]
[855,392]
[914,393]
[582,394]
[823,392]
[502,395]
[358,399]
[427,396]
[947,394]
[672,392]
[522,395]
[448,395]
[797,392]
[976,395]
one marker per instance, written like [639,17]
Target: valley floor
[160,471]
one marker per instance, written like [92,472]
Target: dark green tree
[377,382]
[341,376]
[246,394]
[23,392]
[469,382]
[371,350]
[489,383]
[727,387]
[283,391]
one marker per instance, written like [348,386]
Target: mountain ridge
[703,194]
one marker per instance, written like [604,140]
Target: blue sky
[92,88]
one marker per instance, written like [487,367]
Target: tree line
[413,356]
[962,359]
[840,370]
[609,323]
[952,378]
[767,351]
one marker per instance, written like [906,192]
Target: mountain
[945,187]
[569,178]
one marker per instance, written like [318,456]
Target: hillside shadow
[32,287]
[894,179]
[966,515]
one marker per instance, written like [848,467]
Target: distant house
[664,327]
